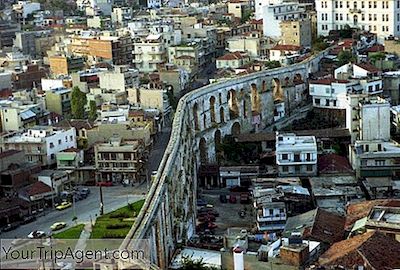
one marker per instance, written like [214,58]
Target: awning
[66,157]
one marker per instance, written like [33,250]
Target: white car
[36,235]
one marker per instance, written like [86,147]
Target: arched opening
[204,121]
[217,143]
[244,102]
[277,92]
[298,79]
[355,19]
[212,109]
[287,81]
[195,116]
[203,151]
[264,86]
[233,104]
[220,98]
[222,115]
[235,130]
[255,100]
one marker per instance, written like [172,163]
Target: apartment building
[368,118]
[296,155]
[64,65]
[149,53]
[150,98]
[58,100]
[375,158]
[7,33]
[41,143]
[119,161]
[379,17]
[296,32]
[121,78]
[252,45]
[274,12]
[270,216]
[120,16]
[238,8]
[17,115]
[24,8]
[333,93]
[107,47]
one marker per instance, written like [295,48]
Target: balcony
[137,51]
[137,61]
[276,217]
[156,52]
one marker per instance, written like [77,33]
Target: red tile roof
[356,211]
[38,188]
[254,21]
[376,48]
[184,57]
[72,149]
[333,163]
[282,47]
[328,227]
[327,81]
[232,56]
[368,67]
[372,249]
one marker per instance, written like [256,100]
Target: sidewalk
[85,235]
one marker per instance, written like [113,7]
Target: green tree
[78,102]
[189,264]
[92,110]
[246,15]
[319,44]
[345,57]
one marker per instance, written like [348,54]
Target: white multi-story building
[121,78]
[332,93]
[379,17]
[25,8]
[41,143]
[275,11]
[296,155]
[149,53]
[368,118]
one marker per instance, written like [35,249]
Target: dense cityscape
[234,135]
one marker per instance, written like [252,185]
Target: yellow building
[238,8]
[296,32]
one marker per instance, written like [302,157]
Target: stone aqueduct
[202,118]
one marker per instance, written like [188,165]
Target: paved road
[157,152]
[114,197]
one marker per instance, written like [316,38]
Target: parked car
[201,202]
[36,235]
[11,226]
[85,191]
[104,184]
[28,219]
[64,205]
[222,198]
[58,226]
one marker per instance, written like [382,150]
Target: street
[114,197]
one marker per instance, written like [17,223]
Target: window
[327,90]
[340,4]
[375,16]
[362,4]
[377,87]
[51,145]
[71,137]
[284,156]
[369,4]
[355,4]
[297,157]
[59,142]
[379,147]
[336,4]
[333,91]
[348,4]
[370,17]
[336,16]
[308,156]
[309,168]
[341,16]
[317,101]
[379,162]
[271,212]
[374,4]
[52,156]
[367,148]
[312,89]
[334,103]
[285,168]
[370,88]
[327,102]
[362,17]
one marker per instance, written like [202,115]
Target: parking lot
[229,213]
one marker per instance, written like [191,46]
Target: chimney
[238,258]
